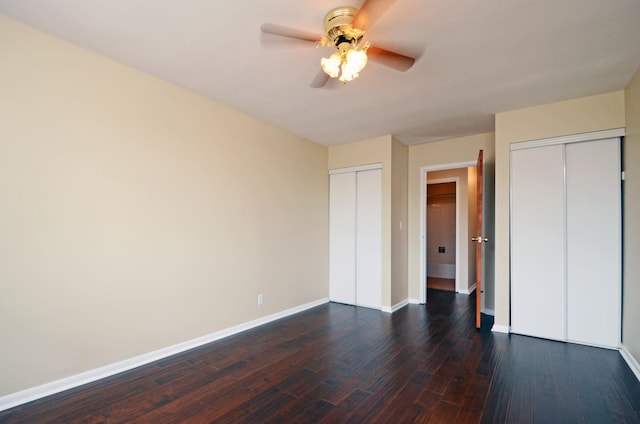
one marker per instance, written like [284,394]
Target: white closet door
[342,238]
[369,239]
[538,296]
[593,242]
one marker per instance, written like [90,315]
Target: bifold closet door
[342,238]
[594,242]
[369,238]
[538,295]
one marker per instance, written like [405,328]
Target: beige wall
[575,116]
[631,271]
[399,173]
[364,152]
[136,215]
[443,154]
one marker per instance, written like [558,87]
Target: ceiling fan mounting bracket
[338,29]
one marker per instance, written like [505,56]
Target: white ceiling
[476,57]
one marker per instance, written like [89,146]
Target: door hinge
[622,175]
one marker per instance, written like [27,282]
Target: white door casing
[423,220]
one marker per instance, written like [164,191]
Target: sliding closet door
[342,238]
[537,242]
[593,242]
[369,238]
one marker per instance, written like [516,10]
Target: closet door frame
[566,140]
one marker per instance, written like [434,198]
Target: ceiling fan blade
[283,31]
[369,13]
[320,80]
[397,61]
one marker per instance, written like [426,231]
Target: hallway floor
[441,283]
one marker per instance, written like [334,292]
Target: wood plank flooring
[338,363]
[441,283]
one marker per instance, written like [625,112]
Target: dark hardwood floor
[338,363]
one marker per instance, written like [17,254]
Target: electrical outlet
[260,299]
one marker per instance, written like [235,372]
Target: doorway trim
[423,221]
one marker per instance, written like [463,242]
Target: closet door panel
[593,242]
[342,238]
[538,296]
[369,239]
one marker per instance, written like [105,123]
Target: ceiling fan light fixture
[345,29]
[331,65]
[347,63]
[356,60]
[350,59]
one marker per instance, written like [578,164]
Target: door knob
[480,239]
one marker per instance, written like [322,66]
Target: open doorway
[441,234]
[449,220]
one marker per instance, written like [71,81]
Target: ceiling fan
[345,28]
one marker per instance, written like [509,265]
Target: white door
[369,238]
[594,242]
[538,296]
[342,238]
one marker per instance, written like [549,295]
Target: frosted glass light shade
[355,61]
[331,65]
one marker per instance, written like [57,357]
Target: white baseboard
[441,270]
[33,393]
[631,361]
[500,329]
[488,311]
[415,301]
[395,307]
[469,290]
